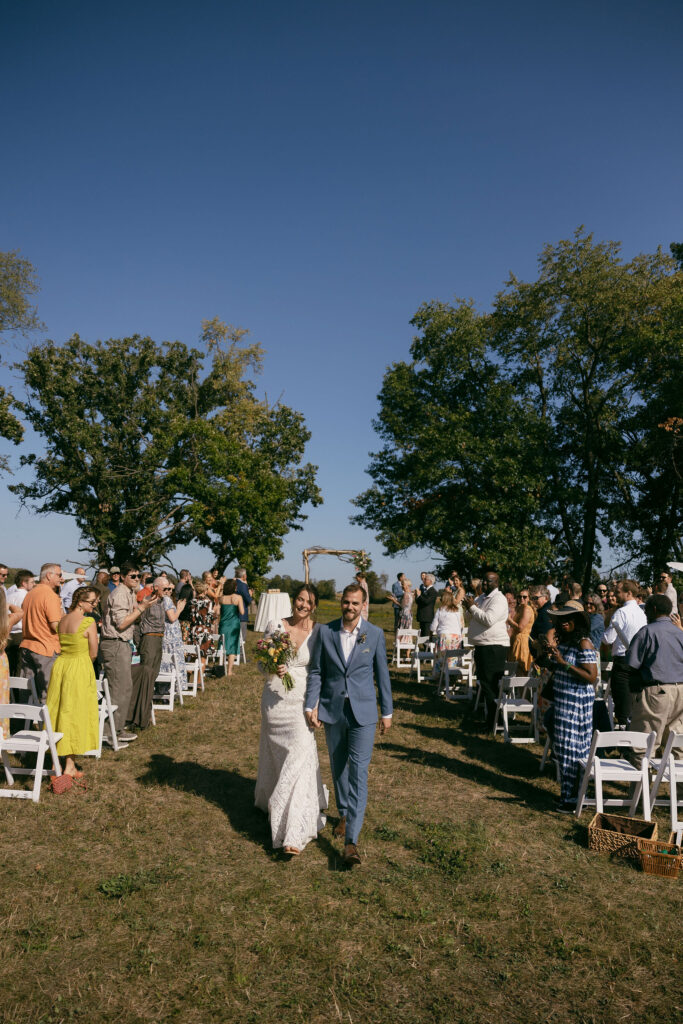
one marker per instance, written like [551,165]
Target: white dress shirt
[630,617]
[488,618]
[15,596]
[349,638]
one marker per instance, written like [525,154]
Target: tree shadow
[515,759]
[517,788]
[233,794]
[228,790]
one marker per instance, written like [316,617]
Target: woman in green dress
[232,607]
[72,692]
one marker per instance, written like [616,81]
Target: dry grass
[154,896]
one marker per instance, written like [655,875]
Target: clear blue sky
[314,172]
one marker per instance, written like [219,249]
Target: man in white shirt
[488,634]
[623,626]
[552,589]
[70,587]
[23,582]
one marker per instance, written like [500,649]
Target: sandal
[291,851]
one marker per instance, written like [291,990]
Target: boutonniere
[362,638]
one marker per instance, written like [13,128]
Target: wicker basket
[663,859]
[612,833]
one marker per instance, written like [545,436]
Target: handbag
[61,783]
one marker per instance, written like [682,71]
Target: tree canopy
[524,436]
[18,283]
[148,448]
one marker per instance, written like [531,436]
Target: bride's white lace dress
[288,785]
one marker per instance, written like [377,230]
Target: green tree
[18,283]
[583,345]
[148,449]
[455,472]
[524,437]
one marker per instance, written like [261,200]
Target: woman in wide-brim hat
[576,672]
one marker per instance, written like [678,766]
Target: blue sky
[314,172]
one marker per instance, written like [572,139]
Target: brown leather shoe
[351,857]
[339,830]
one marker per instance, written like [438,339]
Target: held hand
[384,726]
[281,671]
[312,719]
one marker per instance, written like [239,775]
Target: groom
[348,656]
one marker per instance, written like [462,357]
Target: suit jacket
[329,678]
[243,590]
[425,605]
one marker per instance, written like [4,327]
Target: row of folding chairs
[36,739]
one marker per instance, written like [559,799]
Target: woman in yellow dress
[520,625]
[72,693]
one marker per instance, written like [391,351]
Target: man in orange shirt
[40,644]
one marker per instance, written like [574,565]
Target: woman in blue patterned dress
[576,673]
[173,638]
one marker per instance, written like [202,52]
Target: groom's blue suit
[344,693]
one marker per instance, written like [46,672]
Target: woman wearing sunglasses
[520,624]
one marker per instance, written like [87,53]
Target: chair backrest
[673,743]
[625,738]
[25,685]
[29,712]
[407,637]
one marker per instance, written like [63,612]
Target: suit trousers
[350,748]
[489,661]
[115,656]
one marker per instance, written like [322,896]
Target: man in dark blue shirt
[245,594]
[656,651]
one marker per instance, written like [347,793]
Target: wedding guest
[665,577]
[246,595]
[447,627]
[144,674]
[72,693]
[120,614]
[406,620]
[172,651]
[70,587]
[203,625]
[656,653]
[425,603]
[232,609]
[624,624]
[4,573]
[396,598]
[114,578]
[184,576]
[596,613]
[42,612]
[576,673]
[488,635]
[16,594]
[521,624]
[289,785]
[7,620]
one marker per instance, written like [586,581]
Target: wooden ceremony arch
[311,552]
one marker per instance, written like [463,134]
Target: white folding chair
[455,683]
[611,769]
[193,668]
[39,741]
[217,653]
[27,689]
[509,670]
[166,701]
[421,658]
[242,653]
[404,646]
[106,716]
[517,695]
[669,770]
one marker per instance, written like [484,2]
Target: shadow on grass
[228,790]
[517,788]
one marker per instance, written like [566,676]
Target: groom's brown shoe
[351,857]
[339,830]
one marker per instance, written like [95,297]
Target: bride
[288,785]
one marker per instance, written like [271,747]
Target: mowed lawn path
[155,896]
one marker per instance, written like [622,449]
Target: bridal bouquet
[275,650]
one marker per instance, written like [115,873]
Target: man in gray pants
[121,612]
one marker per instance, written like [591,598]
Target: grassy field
[155,896]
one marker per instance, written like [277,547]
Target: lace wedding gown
[288,785]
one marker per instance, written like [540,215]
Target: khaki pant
[115,656]
[660,708]
[39,668]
